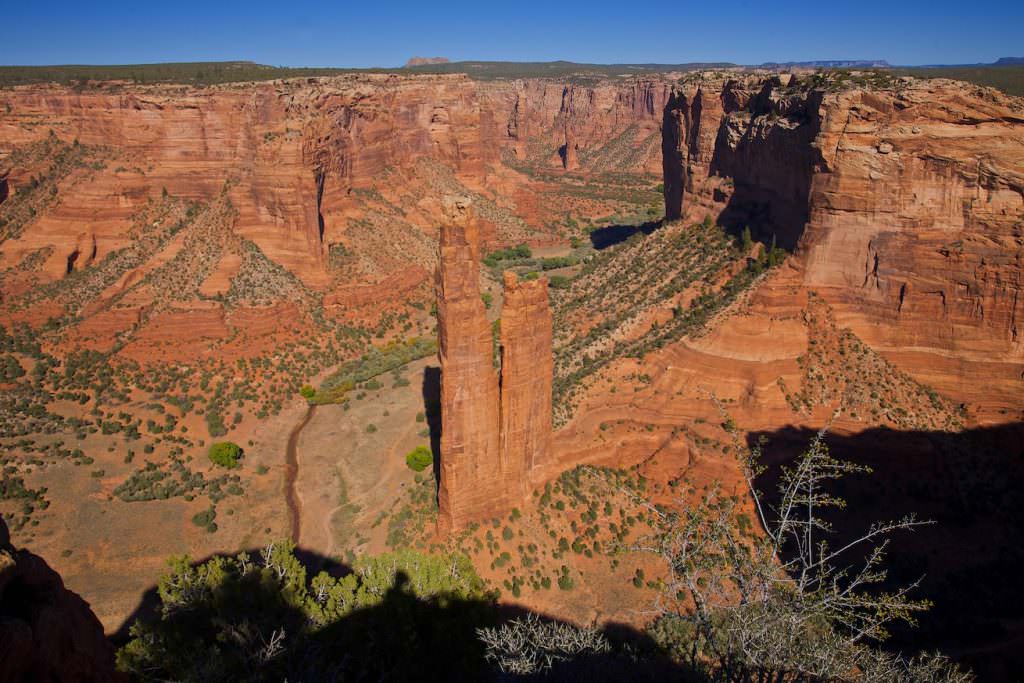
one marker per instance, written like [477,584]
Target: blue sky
[368,33]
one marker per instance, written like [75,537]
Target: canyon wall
[337,181]
[905,205]
[609,125]
[288,152]
[489,441]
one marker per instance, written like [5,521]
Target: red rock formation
[570,154]
[526,372]
[47,633]
[904,205]
[489,443]
[471,480]
[606,119]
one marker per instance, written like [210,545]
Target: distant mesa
[421,61]
[829,64]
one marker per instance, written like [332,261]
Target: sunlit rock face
[494,430]
[905,206]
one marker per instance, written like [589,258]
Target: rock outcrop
[47,633]
[904,203]
[617,123]
[489,441]
[471,473]
[526,374]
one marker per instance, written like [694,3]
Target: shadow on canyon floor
[972,485]
[403,637]
[602,238]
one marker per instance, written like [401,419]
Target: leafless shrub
[782,604]
[531,645]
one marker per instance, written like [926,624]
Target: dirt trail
[291,473]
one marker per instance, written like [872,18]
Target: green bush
[225,454]
[204,518]
[307,391]
[419,459]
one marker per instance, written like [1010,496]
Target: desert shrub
[559,282]
[204,518]
[530,646]
[307,391]
[783,606]
[419,458]
[225,454]
[262,617]
[520,251]
[214,423]
[10,368]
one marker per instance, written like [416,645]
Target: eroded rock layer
[905,205]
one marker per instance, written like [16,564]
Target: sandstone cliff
[905,204]
[337,180]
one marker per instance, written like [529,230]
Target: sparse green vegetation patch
[374,362]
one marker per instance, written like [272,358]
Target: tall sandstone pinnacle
[469,384]
[490,441]
[526,371]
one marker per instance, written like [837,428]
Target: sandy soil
[349,478]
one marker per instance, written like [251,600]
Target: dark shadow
[432,411]
[602,238]
[72,258]
[971,484]
[4,190]
[771,168]
[320,179]
[47,632]
[318,563]
[401,637]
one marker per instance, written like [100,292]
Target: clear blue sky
[380,33]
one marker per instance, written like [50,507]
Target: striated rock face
[470,467]
[615,125]
[291,150]
[905,206]
[47,633]
[489,443]
[526,372]
[337,180]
